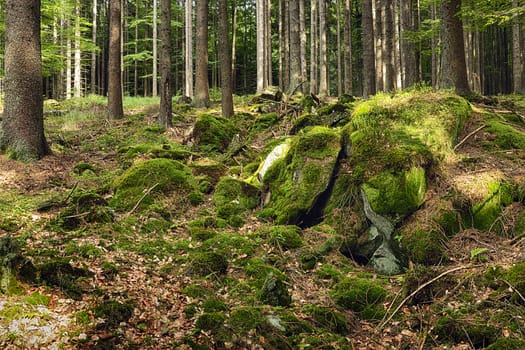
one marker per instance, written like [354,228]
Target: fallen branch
[419,289]
[469,136]
[141,199]
[70,193]
[514,289]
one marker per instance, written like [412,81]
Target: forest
[258,174]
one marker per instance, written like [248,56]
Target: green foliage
[364,296]
[283,236]
[213,133]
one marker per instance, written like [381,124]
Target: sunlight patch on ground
[476,185]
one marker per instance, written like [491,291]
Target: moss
[213,169]
[423,247]
[328,319]
[214,304]
[202,234]
[364,296]
[486,213]
[263,122]
[419,276]
[519,226]
[516,277]
[196,291]
[156,177]
[260,268]
[304,121]
[506,136]
[507,344]
[114,312]
[60,273]
[232,197]
[232,244]
[213,133]
[283,236]
[329,272]
[456,330]
[297,183]
[80,168]
[275,291]
[244,319]
[449,222]
[212,321]
[166,150]
[207,263]
[37,299]
[85,207]
[395,195]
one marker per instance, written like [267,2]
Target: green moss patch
[486,213]
[364,296]
[207,263]
[423,247]
[506,136]
[84,207]
[232,198]
[457,329]
[213,133]
[155,150]
[149,179]
[114,312]
[62,274]
[274,291]
[283,236]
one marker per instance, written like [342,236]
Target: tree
[408,48]
[154,85]
[188,49]
[296,78]
[22,133]
[115,109]
[165,64]
[518,61]
[323,59]
[77,77]
[347,38]
[202,89]
[226,60]
[453,65]
[262,44]
[314,45]
[369,76]
[93,50]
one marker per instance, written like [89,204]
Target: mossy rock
[485,213]
[506,136]
[328,319]
[297,182]
[232,198]
[85,207]
[364,296]
[213,133]
[264,122]
[147,179]
[207,263]
[456,329]
[304,121]
[395,195]
[282,236]
[274,291]
[155,150]
[507,344]
[244,319]
[214,304]
[423,247]
[211,321]
[113,312]
[14,267]
[62,274]
[516,277]
[81,168]
[213,169]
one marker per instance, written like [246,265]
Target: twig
[70,193]
[514,289]
[468,136]
[141,199]
[419,289]
[77,215]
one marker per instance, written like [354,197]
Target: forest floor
[134,288]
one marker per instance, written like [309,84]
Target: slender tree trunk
[261,57]
[314,47]
[234,42]
[347,38]
[369,78]
[115,109]
[295,46]
[517,54]
[268,42]
[202,89]
[378,42]
[68,63]
[188,86]
[302,31]
[135,61]
[388,45]
[286,45]
[453,66]
[77,82]
[226,61]
[165,64]
[22,133]
[434,43]
[154,84]
[94,51]
[323,58]
[339,62]
[408,48]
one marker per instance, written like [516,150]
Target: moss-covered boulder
[507,344]
[232,198]
[364,296]
[213,133]
[207,263]
[298,183]
[84,207]
[423,247]
[167,150]
[274,291]
[146,180]
[282,236]
[485,213]
[14,267]
[455,329]
[60,273]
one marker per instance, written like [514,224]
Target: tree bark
[517,54]
[94,51]
[22,133]
[339,62]
[165,65]
[347,38]
[302,31]
[378,42]
[154,85]
[115,109]
[408,48]
[202,88]
[323,59]
[388,45]
[77,81]
[369,78]
[188,50]
[314,47]
[295,47]
[261,42]
[226,60]
[453,65]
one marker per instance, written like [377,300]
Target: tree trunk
[94,51]
[314,47]
[295,47]
[408,48]
[261,42]
[378,42]
[302,31]
[188,50]
[226,60]
[68,63]
[388,45]
[115,109]
[165,64]
[339,62]
[453,66]
[77,81]
[369,77]
[323,59]
[347,38]
[22,133]
[517,54]
[154,84]
[202,89]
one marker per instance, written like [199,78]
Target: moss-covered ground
[131,236]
